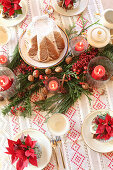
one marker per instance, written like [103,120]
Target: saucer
[94,144]
[83,4]
[43,142]
[14,21]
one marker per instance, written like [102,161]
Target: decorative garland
[71,73]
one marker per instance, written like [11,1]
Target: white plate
[45,145]
[94,144]
[83,4]
[14,21]
[41,65]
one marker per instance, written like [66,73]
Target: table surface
[78,156]
[107,4]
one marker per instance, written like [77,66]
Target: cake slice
[34,47]
[43,54]
[59,41]
[47,50]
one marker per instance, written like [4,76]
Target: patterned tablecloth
[77,155]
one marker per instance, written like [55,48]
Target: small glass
[4,60]
[78,45]
[4,71]
[107,64]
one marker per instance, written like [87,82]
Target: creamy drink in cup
[58,124]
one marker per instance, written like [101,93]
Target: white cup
[58,124]
[107,18]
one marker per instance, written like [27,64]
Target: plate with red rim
[14,21]
[94,144]
[44,144]
[42,65]
[83,4]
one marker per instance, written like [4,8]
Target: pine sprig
[107,52]
[15,59]
[16,100]
[60,103]
[27,106]
[71,31]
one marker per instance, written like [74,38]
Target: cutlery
[58,140]
[54,144]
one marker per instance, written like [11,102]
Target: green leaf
[19,11]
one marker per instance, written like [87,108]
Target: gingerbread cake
[45,45]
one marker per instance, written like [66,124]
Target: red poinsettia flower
[22,152]
[67,2]
[29,142]
[10,6]
[105,127]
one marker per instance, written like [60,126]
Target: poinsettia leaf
[33,161]
[10,150]
[67,2]
[7,153]
[107,136]
[33,144]
[5,9]
[111,122]
[11,11]
[100,129]
[111,134]
[101,120]
[14,158]
[26,162]
[20,154]
[17,7]
[108,118]
[18,142]
[11,143]
[28,141]
[19,11]
[16,1]
[30,152]
[23,146]
[20,164]
[108,129]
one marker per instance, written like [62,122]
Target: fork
[58,140]
[54,144]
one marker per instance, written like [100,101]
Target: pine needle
[15,59]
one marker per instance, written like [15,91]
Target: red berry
[41,77]
[85,68]
[84,72]
[46,77]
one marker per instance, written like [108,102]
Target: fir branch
[107,52]
[16,101]
[27,106]
[71,31]
[60,103]
[15,59]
